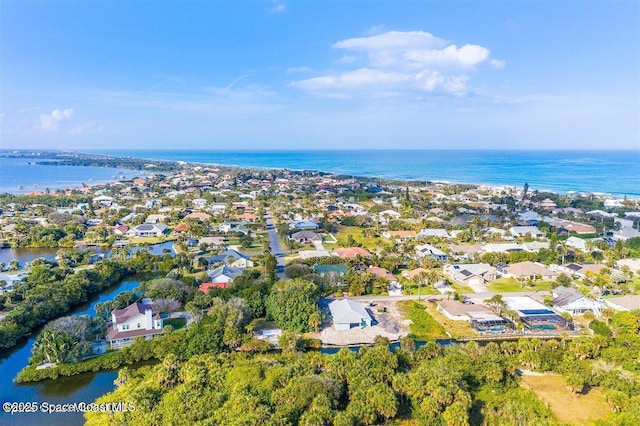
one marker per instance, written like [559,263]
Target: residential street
[274,243]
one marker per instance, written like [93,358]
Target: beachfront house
[136,320]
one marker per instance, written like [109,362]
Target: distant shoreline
[139,158]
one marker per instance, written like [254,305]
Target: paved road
[276,249]
[476,297]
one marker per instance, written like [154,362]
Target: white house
[570,300]
[427,250]
[347,314]
[224,274]
[103,200]
[147,230]
[577,243]
[521,231]
[136,320]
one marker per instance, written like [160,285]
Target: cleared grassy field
[424,325]
[567,406]
[356,232]
[505,285]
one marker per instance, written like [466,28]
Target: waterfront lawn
[567,406]
[455,328]
[506,285]
[423,326]
[176,323]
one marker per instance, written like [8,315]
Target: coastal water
[23,175]
[613,172]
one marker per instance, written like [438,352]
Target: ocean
[613,172]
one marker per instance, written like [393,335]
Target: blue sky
[320,74]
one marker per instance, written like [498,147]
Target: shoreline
[45,157]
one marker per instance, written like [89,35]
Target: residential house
[529,217]
[427,250]
[305,224]
[231,258]
[632,264]
[305,237]
[103,200]
[224,274]
[394,288]
[577,243]
[136,320]
[199,203]
[624,303]
[351,252]
[580,270]
[437,233]
[198,216]
[147,230]
[521,231]
[529,270]
[234,227]
[474,274]
[398,235]
[570,300]
[347,314]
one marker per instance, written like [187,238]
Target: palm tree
[607,314]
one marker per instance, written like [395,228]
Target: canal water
[25,255]
[80,388]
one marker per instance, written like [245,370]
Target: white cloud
[278,8]
[403,62]
[296,70]
[497,64]
[347,59]
[52,121]
[374,30]
[387,83]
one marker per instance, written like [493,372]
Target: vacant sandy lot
[567,406]
[387,324]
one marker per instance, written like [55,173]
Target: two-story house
[136,320]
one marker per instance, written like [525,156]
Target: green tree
[291,304]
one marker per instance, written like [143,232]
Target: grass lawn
[567,406]
[356,232]
[424,325]
[151,240]
[505,285]
[176,323]
[462,289]
[633,285]
[455,328]
[260,324]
